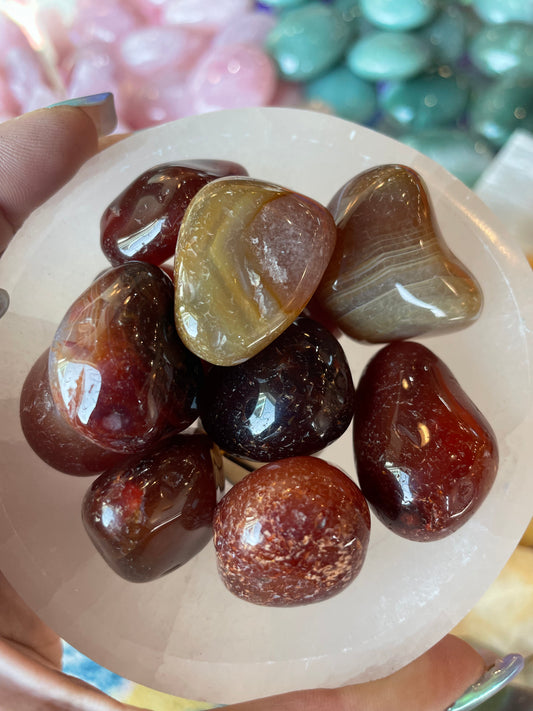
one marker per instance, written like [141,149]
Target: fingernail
[100,108]
[493,680]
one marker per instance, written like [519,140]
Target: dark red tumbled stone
[49,434]
[119,373]
[293,532]
[154,513]
[293,398]
[426,457]
[144,220]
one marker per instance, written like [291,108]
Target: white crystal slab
[185,634]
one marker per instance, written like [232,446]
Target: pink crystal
[147,102]
[288,94]
[27,80]
[249,28]
[233,76]
[93,70]
[150,50]
[102,21]
[8,105]
[210,15]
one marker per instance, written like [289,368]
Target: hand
[59,140]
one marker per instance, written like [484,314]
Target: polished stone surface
[291,533]
[343,93]
[308,41]
[426,456]
[249,257]
[503,107]
[499,49]
[293,398]
[379,56]
[152,514]
[465,155]
[144,220]
[399,16]
[426,101]
[118,372]
[392,275]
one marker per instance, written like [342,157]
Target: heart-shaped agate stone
[392,276]
[426,457]
[249,257]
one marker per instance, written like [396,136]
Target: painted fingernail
[100,108]
[493,680]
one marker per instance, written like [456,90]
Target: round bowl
[185,633]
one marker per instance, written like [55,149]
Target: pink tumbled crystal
[8,105]
[149,50]
[10,35]
[233,76]
[93,69]
[210,15]
[249,28]
[144,102]
[102,21]
[26,79]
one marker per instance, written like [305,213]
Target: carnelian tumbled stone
[293,398]
[144,220]
[118,372]
[426,457]
[392,275]
[293,532]
[50,436]
[248,259]
[154,513]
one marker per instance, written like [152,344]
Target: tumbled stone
[392,276]
[293,398]
[429,100]
[447,34]
[501,11]
[291,533]
[499,49]
[426,457]
[249,256]
[503,107]
[142,223]
[345,94]
[308,41]
[394,15]
[462,153]
[378,56]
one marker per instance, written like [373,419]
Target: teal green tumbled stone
[283,4]
[345,94]
[462,154]
[388,55]
[498,49]
[398,14]
[447,34]
[425,101]
[503,107]
[499,11]
[307,41]
[350,11]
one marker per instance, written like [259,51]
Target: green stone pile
[451,79]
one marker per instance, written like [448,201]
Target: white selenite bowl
[185,633]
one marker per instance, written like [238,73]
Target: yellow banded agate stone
[249,257]
[392,275]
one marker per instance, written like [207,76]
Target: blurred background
[452,79]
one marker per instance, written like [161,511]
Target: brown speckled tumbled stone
[392,275]
[248,259]
[293,532]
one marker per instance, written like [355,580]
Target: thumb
[430,683]
[40,152]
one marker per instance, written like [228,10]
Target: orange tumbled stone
[249,257]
